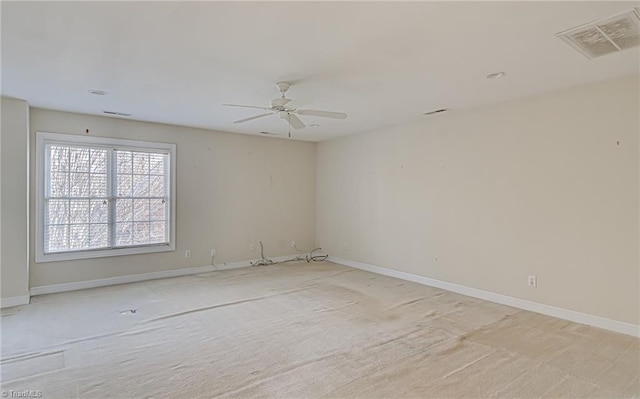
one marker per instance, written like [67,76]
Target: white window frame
[44,138]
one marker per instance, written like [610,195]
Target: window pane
[99,211]
[98,185]
[124,185]
[98,161]
[58,158]
[79,183]
[57,212]
[140,163]
[79,160]
[79,211]
[140,185]
[157,209]
[141,210]
[157,164]
[99,236]
[140,233]
[124,210]
[157,232]
[157,186]
[124,160]
[123,233]
[56,238]
[79,236]
[59,184]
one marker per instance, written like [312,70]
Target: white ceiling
[382,63]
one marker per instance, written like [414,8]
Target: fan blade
[269,134]
[323,114]
[252,118]
[295,122]
[245,106]
[296,104]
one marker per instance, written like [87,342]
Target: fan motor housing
[279,102]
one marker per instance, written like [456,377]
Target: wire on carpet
[310,256]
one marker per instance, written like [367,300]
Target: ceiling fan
[282,108]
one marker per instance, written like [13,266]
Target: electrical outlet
[532,281]
[187,253]
[252,247]
[293,244]
[213,252]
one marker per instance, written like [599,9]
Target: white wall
[233,190]
[14,173]
[486,197]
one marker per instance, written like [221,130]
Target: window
[103,197]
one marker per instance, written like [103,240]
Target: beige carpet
[303,331]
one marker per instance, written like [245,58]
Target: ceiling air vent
[437,111]
[116,113]
[605,36]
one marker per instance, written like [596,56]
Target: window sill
[103,253]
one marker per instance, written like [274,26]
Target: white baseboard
[81,285]
[14,301]
[566,314]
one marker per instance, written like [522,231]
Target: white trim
[14,301]
[561,313]
[81,285]
[101,253]
[27,236]
[42,138]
